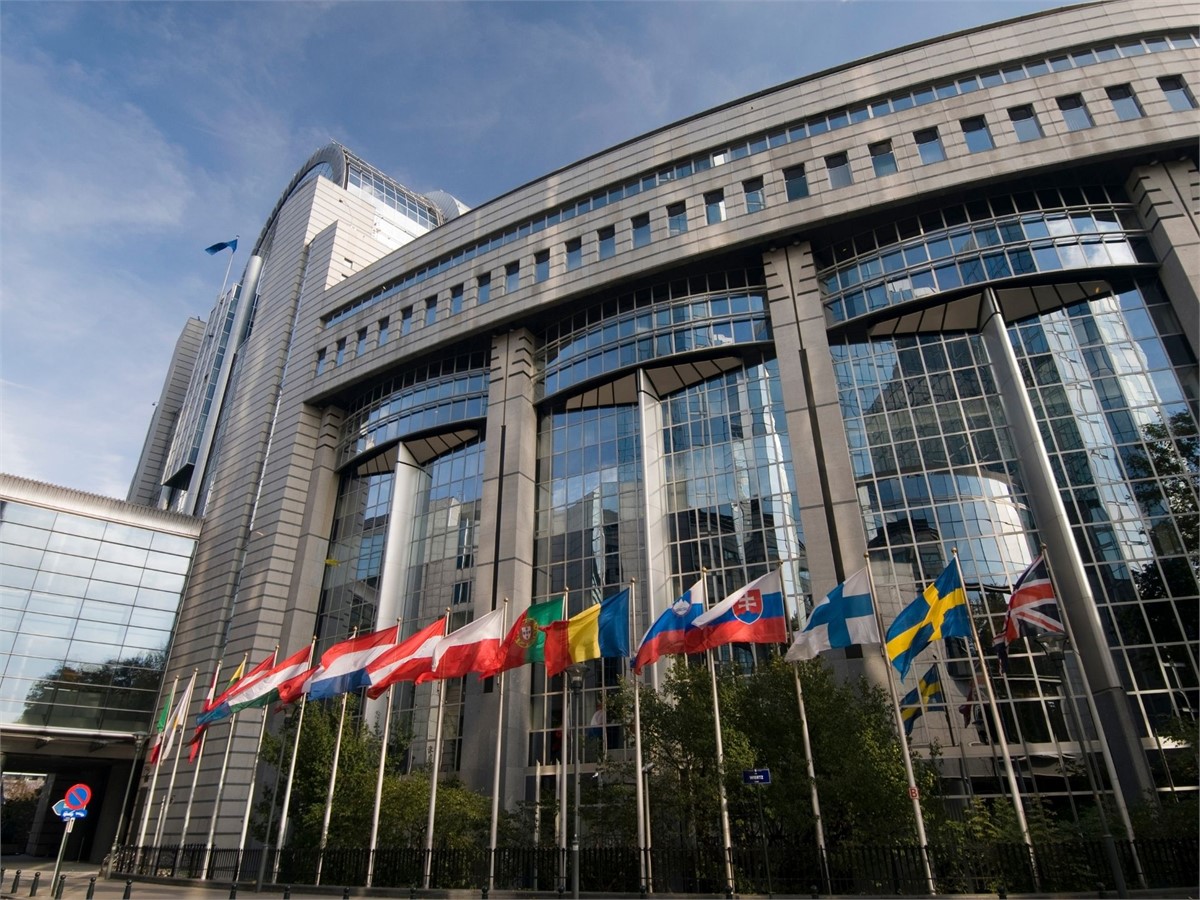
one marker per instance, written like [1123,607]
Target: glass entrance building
[940,300]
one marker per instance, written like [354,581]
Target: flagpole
[913,792]
[187,813]
[154,776]
[563,748]
[1105,751]
[287,793]
[726,841]
[1058,751]
[387,725]
[1010,775]
[337,752]
[955,736]
[639,794]
[496,772]
[433,783]
[185,701]
[212,824]
[262,730]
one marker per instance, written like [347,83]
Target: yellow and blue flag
[940,612]
[927,695]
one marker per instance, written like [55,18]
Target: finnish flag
[843,618]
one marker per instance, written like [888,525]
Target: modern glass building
[943,299]
[89,593]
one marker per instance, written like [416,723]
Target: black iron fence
[781,868]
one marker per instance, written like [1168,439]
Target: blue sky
[133,135]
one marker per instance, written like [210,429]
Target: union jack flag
[1032,608]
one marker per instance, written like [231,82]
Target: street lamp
[576,673]
[1054,646]
[139,739]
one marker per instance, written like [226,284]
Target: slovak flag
[668,634]
[410,660]
[344,666]
[1032,608]
[751,615]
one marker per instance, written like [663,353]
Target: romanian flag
[940,612]
[526,640]
[599,632]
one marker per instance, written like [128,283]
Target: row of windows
[394,195]
[786,134]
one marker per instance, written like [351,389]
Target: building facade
[942,299]
[90,591]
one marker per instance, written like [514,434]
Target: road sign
[59,808]
[913,793]
[78,796]
[756,776]
[67,814]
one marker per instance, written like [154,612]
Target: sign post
[71,807]
[760,778]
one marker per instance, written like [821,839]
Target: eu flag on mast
[217,248]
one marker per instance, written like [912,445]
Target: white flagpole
[187,813]
[212,824]
[913,792]
[387,727]
[337,752]
[639,797]
[496,769]
[564,745]
[185,701]
[433,783]
[287,793]
[1010,775]
[154,776]
[726,841]
[262,730]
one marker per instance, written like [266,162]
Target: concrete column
[1074,592]
[394,581]
[653,596]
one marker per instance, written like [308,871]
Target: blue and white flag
[843,618]
[217,248]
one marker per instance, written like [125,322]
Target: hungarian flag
[473,648]
[265,690]
[410,660]
[601,631]
[220,709]
[526,640]
[1032,608]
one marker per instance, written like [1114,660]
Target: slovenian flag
[751,615]
[669,632]
[344,666]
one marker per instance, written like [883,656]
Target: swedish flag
[940,612]
[927,695]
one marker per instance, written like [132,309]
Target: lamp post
[1054,646]
[576,672]
[139,739]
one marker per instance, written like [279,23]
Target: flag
[217,248]
[409,660]
[160,727]
[940,612]
[265,690]
[600,631]
[668,634]
[220,708]
[344,665]
[750,615]
[1032,608]
[927,695]
[473,648]
[178,717]
[198,734]
[843,618]
[526,640]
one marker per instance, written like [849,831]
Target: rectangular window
[360,343]
[975,131]
[1074,112]
[456,297]
[883,160]
[796,182]
[406,320]
[838,166]
[341,352]
[929,145]
[383,333]
[608,242]
[676,218]
[541,265]
[756,200]
[1124,102]
[430,310]
[574,254]
[1177,93]
[641,230]
[484,286]
[714,207]
[1025,123]
[512,277]
[320,361]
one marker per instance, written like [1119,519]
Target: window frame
[1179,98]
[1071,114]
[714,206]
[1025,123]
[1123,105]
[512,276]
[837,170]
[640,226]
[677,222]
[883,150]
[977,134]
[541,266]
[795,182]
[483,289]
[606,238]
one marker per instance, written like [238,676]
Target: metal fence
[781,868]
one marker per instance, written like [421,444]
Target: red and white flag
[410,660]
[473,648]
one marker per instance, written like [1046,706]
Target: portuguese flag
[526,640]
